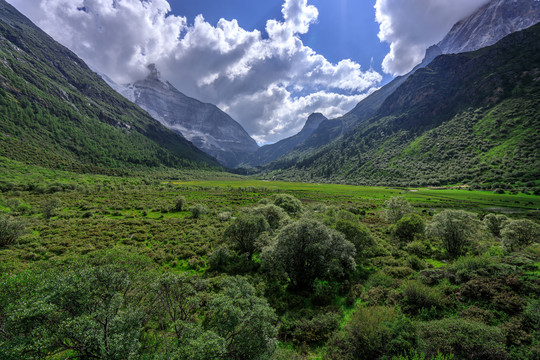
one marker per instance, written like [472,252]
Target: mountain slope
[58,113]
[209,128]
[486,26]
[472,117]
[272,152]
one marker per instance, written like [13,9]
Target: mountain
[272,152]
[486,26]
[56,112]
[466,118]
[205,125]
[489,24]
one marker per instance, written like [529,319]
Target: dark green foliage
[456,229]
[274,215]
[307,250]
[316,329]
[465,339]
[494,223]
[520,233]
[198,210]
[357,234]
[245,321]
[288,203]
[180,204]
[49,207]
[408,227]
[396,208]
[244,231]
[371,333]
[10,229]
[418,297]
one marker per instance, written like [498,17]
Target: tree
[307,250]
[245,321]
[396,208]
[288,203]
[180,204]
[519,233]
[494,223]
[244,231]
[357,234]
[456,229]
[198,210]
[10,229]
[407,227]
[275,215]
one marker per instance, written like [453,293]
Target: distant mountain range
[487,25]
[465,118]
[205,125]
[56,112]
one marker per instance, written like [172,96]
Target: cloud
[268,82]
[411,26]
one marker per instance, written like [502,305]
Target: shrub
[198,210]
[49,207]
[180,204]
[10,230]
[242,234]
[418,296]
[371,333]
[520,233]
[494,223]
[224,216]
[465,339]
[288,203]
[316,330]
[408,227]
[307,250]
[357,234]
[456,229]
[220,259]
[396,208]
[274,215]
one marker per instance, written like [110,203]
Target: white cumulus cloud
[268,82]
[411,26]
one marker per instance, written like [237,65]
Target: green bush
[315,330]
[494,223]
[244,231]
[417,296]
[465,339]
[10,229]
[396,208]
[49,207]
[371,333]
[180,204]
[198,210]
[519,233]
[288,203]
[357,234]
[456,229]
[274,215]
[408,227]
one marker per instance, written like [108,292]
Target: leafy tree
[10,229]
[456,229]
[407,227]
[275,215]
[307,250]
[198,210]
[519,233]
[244,231]
[494,223]
[288,203]
[245,321]
[357,234]
[180,204]
[396,208]
[49,207]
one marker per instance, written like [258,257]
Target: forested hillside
[57,113]
[471,118]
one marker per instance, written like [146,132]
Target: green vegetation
[115,258]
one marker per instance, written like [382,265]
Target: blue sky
[346,29]
[269,64]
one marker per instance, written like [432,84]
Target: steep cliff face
[272,152]
[205,125]
[489,24]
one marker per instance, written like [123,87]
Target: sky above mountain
[269,64]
